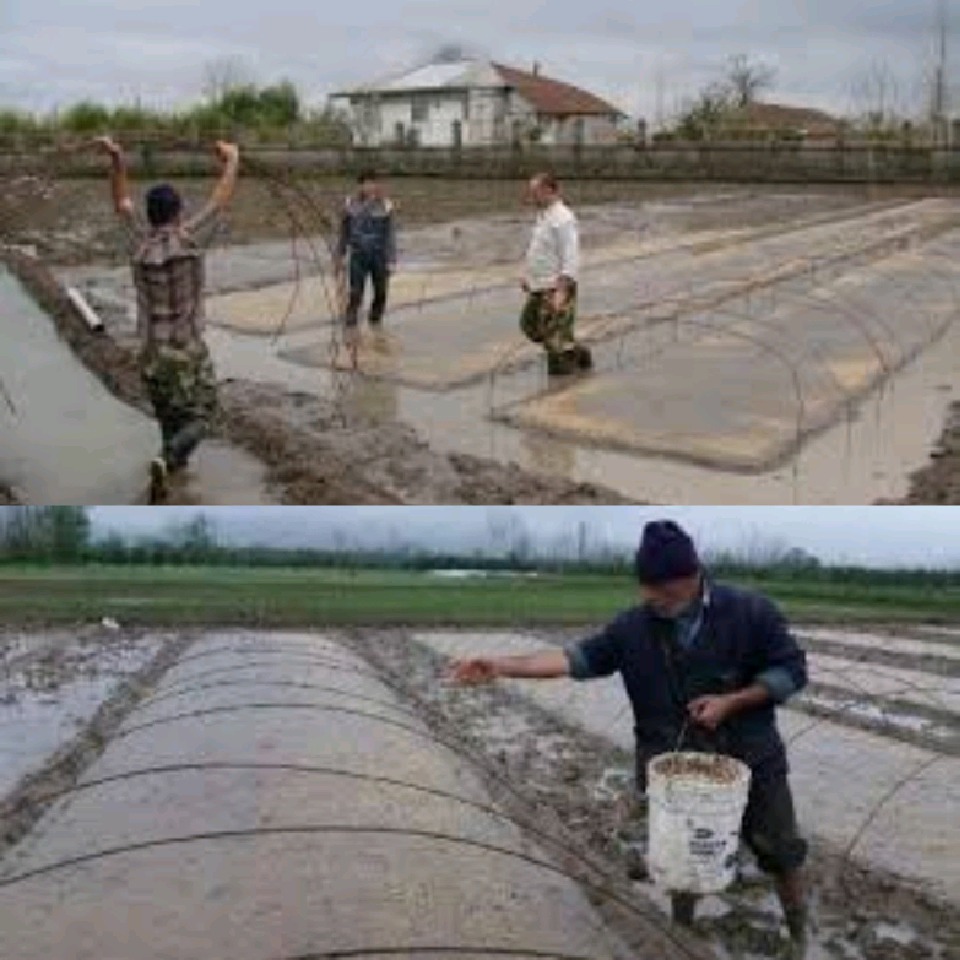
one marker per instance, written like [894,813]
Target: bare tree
[747,79]
[877,96]
[224,74]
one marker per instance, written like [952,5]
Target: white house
[475,103]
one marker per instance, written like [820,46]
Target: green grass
[269,597]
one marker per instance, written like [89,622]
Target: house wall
[487,117]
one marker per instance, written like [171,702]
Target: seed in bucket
[717,769]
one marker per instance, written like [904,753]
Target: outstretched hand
[474,672]
[108,145]
[226,152]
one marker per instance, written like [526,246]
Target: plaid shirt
[169,275]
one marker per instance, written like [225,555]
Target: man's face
[672,598]
[537,194]
[369,189]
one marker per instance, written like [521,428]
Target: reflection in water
[220,475]
[374,398]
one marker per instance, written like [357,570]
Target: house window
[419,109]
[370,114]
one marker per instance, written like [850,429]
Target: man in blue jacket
[707,664]
[367,247]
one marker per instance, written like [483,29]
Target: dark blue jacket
[743,640]
[367,229]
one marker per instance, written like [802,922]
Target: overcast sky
[885,536]
[58,51]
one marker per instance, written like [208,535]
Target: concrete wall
[235,816]
[716,162]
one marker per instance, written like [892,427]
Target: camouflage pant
[541,323]
[182,387]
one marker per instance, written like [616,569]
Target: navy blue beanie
[163,205]
[665,553]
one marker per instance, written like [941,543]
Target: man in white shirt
[550,280]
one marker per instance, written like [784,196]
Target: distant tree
[746,79]
[197,538]
[86,117]
[704,115]
[280,104]
[240,106]
[225,74]
[877,97]
[61,534]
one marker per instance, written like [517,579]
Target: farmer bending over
[367,248]
[167,254]
[707,664]
[550,280]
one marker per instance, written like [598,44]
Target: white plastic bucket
[697,801]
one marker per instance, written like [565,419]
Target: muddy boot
[636,865]
[159,480]
[562,364]
[682,908]
[798,923]
[584,357]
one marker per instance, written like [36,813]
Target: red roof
[778,115]
[552,97]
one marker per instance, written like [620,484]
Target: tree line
[64,536]
[234,104]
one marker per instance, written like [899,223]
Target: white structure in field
[475,103]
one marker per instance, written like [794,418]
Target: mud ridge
[26,804]
[939,481]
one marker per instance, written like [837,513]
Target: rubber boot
[798,923]
[562,364]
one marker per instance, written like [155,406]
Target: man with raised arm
[167,251]
[704,666]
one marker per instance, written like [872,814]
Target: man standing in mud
[550,280]
[168,252]
[367,248]
[704,666]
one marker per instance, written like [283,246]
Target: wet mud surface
[553,779]
[315,451]
[583,786]
[44,669]
[939,481]
[379,456]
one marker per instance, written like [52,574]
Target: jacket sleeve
[599,655]
[391,234]
[781,662]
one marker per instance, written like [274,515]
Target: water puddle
[69,441]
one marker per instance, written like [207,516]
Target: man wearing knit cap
[704,664]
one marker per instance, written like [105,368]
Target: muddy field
[315,450]
[689,284]
[544,768]
[71,221]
